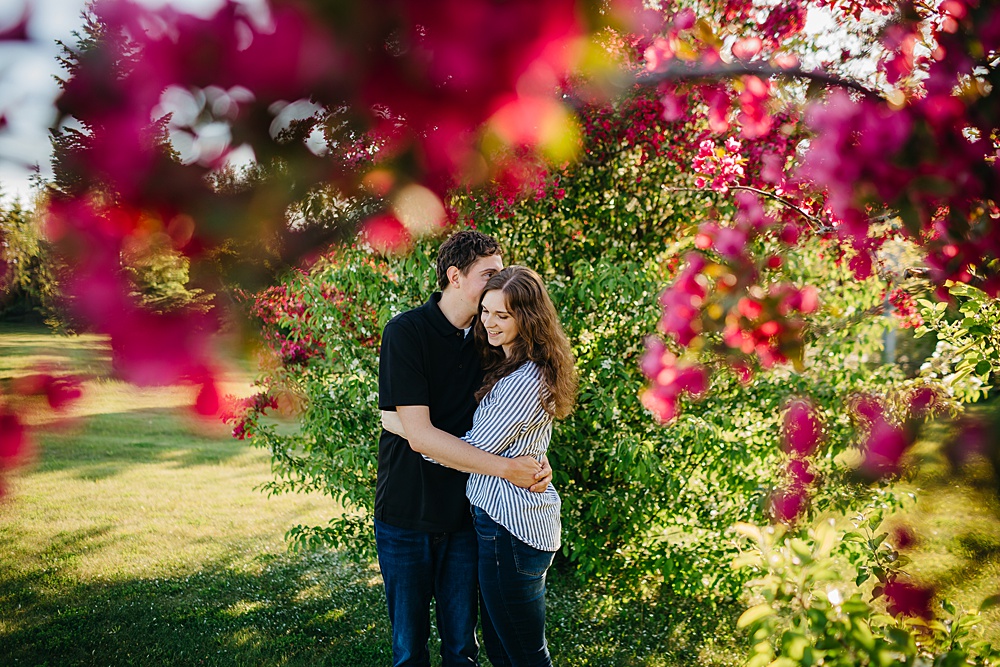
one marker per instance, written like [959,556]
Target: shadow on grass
[23,587]
[104,445]
[19,342]
[308,609]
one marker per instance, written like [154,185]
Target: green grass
[956,523]
[136,537]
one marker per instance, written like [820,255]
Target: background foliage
[643,505]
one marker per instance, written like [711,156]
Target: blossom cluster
[934,152]
[905,308]
[719,167]
[672,380]
[885,440]
[801,434]
[242,411]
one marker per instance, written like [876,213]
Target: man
[429,370]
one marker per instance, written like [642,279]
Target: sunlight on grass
[137,537]
[956,523]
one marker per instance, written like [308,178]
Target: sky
[28,87]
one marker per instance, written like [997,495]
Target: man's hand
[522,471]
[543,477]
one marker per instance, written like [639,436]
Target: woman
[529,381]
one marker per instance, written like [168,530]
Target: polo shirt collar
[437,318]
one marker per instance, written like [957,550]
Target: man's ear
[453,274]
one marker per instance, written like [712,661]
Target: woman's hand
[392,423]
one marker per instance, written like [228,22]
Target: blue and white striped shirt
[510,421]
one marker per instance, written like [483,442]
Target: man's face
[472,283]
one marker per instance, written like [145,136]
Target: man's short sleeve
[402,378]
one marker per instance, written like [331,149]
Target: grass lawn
[956,523]
[136,537]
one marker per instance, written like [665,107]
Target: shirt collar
[437,318]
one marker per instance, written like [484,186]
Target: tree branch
[822,226]
[725,70]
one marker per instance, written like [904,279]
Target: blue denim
[512,587]
[417,566]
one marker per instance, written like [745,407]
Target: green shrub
[811,603]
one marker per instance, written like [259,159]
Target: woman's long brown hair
[540,339]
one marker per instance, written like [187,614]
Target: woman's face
[501,329]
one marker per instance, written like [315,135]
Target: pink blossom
[662,407]
[801,429]
[385,234]
[798,474]
[718,102]
[13,437]
[754,117]
[883,449]
[788,504]
[773,168]
[908,599]
[747,47]
[730,242]
[658,54]
[749,308]
[922,401]
[684,19]
[674,106]
[670,380]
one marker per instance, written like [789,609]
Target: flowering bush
[641,503]
[967,351]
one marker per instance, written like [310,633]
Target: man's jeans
[512,585]
[417,566]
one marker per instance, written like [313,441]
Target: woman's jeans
[417,566]
[512,586]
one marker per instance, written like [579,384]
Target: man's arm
[446,449]
[391,422]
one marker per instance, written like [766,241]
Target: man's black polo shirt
[425,360]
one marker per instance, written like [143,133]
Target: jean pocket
[530,561]
[486,528]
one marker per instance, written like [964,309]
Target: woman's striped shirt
[510,421]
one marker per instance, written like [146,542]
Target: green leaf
[754,614]
[746,560]
[801,549]
[784,662]
[983,367]
[793,644]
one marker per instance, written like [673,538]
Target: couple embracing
[469,384]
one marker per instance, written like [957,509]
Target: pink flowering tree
[746,161]
[641,502]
